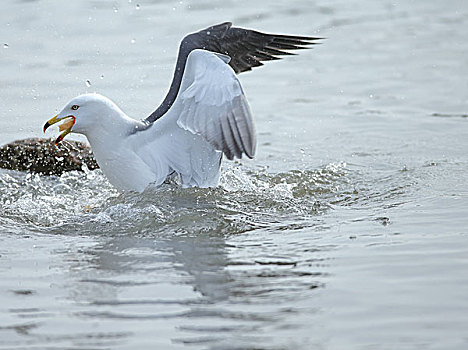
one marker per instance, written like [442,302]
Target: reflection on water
[214,294]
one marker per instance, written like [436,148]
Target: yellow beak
[67,126]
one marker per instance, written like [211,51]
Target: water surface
[348,230]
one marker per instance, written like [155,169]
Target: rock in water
[43,157]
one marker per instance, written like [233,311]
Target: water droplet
[137,7]
[133,41]
[116,9]
[88,83]
[102,76]
[5,46]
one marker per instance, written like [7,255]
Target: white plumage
[204,115]
[209,117]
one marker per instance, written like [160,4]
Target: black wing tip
[297,37]
[279,36]
[295,40]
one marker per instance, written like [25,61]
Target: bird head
[81,114]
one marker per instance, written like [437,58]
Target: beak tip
[46,126]
[66,126]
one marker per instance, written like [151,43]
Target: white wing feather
[210,115]
[211,103]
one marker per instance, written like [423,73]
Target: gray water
[348,230]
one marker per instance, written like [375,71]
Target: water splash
[85,202]
[244,200]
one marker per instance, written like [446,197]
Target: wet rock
[42,156]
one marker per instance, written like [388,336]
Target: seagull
[204,115]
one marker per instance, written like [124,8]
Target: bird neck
[112,128]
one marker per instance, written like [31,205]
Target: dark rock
[43,157]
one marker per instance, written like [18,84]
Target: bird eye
[75,107]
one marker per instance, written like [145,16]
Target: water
[348,230]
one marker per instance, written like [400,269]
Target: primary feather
[247,49]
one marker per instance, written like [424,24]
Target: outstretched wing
[213,105]
[246,48]
[209,114]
